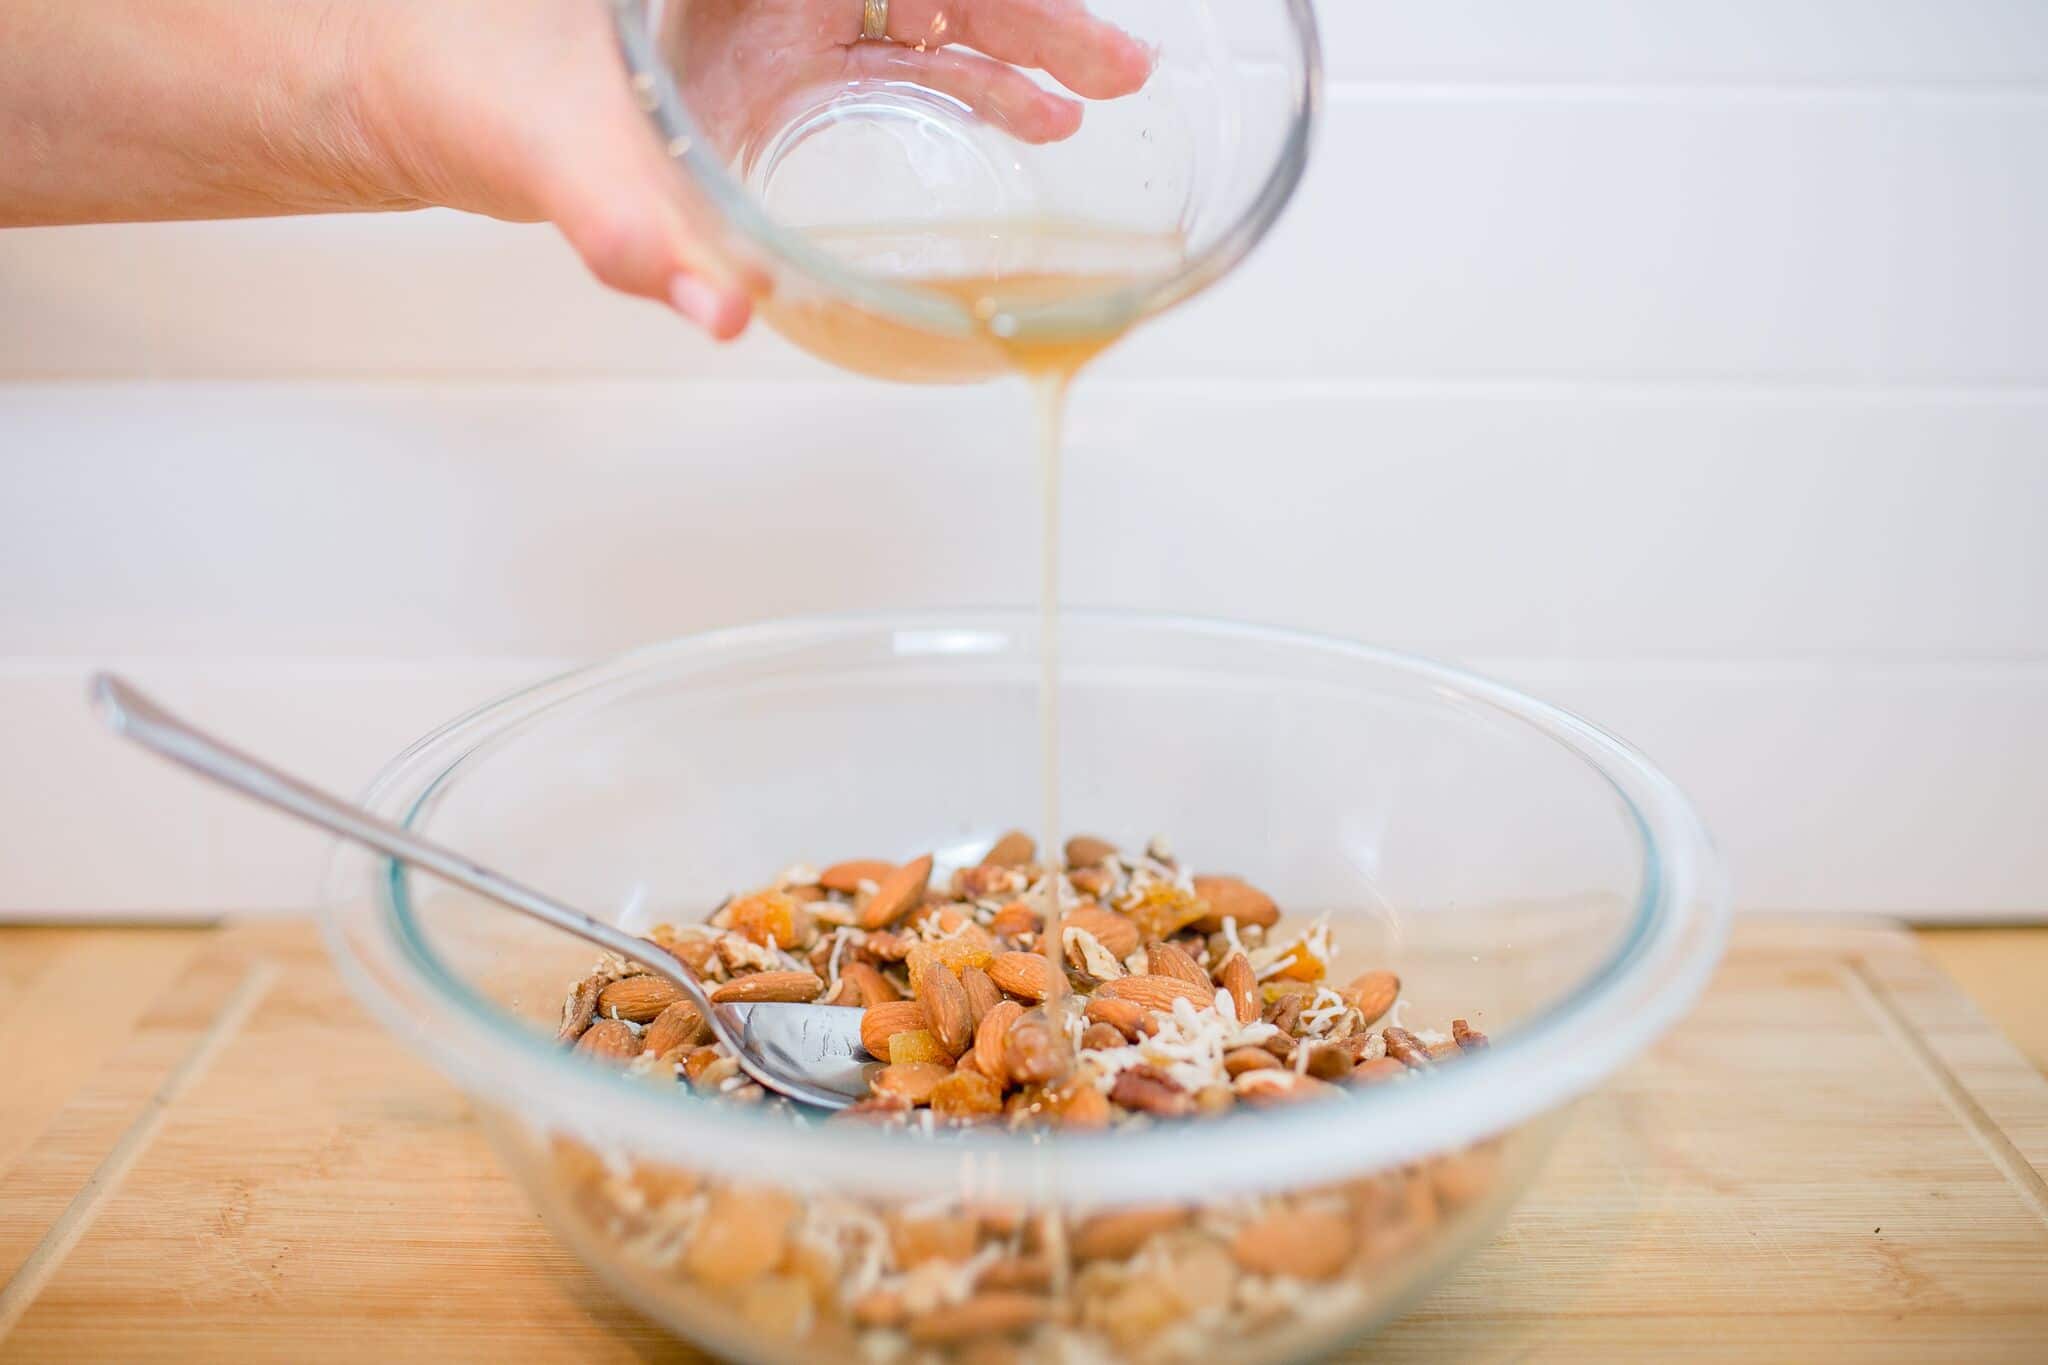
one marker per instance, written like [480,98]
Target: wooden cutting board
[207,1152]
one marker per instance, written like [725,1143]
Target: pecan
[986,881]
[1469,1039]
[1405,1048]
[1101,1036]
[1150,1091]
[1285,1013]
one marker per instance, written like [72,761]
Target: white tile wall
[1688,364]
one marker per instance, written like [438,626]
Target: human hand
[520,109]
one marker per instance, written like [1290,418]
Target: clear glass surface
[1515,865]
[833,177]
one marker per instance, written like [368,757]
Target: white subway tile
[1471,233]
[1823,41]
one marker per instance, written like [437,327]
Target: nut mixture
[1158,996]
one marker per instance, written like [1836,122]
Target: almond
[1014,921]
[945,1005]
[1378,1069]
[1015,849]
[677,1026]
[795,988]
[1373,994]
[1292,1088]
[846,877]
[845,995]
[1115,932]
[1298,1244]
[1017,1272]
[988,1038]
[609,1040]
[638,998]
[1025,974]
[1163,959]
[1154,992]
[1118,1236]
[1329,1062]
[1085,1107]
[992,1314]
[1236,899]
[1125,1016]
[1085,850]
[579,1009]
[897,894]
[879,1023]
[742,1234]
[1240,1060]
[874,988]
[1243,984]
[1092,881]
[982,993]
[940,1237]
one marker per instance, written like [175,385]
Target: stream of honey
[1034,292]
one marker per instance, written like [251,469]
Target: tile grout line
[35,1272]
[2026,1182]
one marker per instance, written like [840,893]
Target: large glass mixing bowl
[1513,864]
[1096,174]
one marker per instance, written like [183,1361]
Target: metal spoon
[811,1053]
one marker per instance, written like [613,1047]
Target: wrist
[331,96]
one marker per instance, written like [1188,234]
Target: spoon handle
[129,713]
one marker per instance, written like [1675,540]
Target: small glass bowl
[1516,866]
[835,181]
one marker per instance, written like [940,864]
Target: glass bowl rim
[1115,309]
[1672,943]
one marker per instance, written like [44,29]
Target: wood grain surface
[207,1152]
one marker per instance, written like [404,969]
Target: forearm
[114,110]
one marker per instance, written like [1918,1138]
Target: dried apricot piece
[917,1045]
[767,918]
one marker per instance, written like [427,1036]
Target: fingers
[999,93]
[1091,57]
